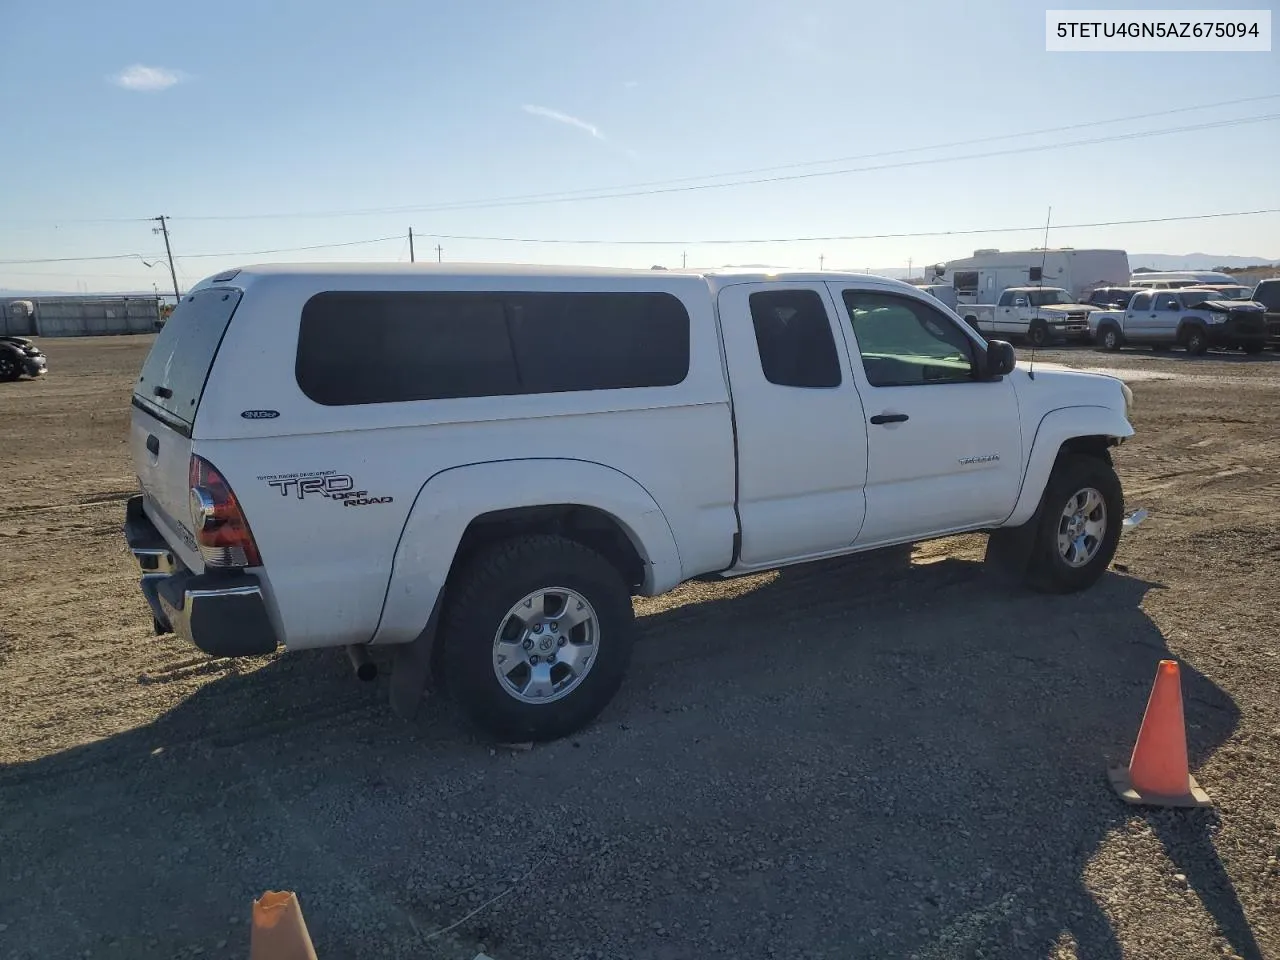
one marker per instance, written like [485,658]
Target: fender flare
[449,500]
[1188,324]
[1055,428]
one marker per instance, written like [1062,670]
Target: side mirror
[1000,359]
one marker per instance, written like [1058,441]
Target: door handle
[889,418]
[153,444]
[163,392]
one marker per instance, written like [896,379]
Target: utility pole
[411,245]
[822,259]
[684,259]
[173,274]
[439,253]
[908,268]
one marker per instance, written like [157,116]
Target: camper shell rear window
[175,371]
[357,347]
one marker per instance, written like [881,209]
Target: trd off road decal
[325,483]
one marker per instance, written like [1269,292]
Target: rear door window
[175,371]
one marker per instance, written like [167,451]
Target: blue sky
[319,107]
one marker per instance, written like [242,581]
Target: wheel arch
[459,511]
[1090,430]
[1186,325]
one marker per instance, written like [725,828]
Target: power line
[314,246]
[717,241]
[882,153]
[566,195]
[196,256]
[862,236]
[571,197]
[865,169]
[114,256]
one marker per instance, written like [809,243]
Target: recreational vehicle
[988,273]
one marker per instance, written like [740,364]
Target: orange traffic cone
[1158,774]
[279,932]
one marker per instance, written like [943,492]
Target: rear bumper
[222,613]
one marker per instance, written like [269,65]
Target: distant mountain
[1152,261]
[1195,261]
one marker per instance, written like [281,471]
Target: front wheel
[1110,339]
[536,638]
[1079,526]
[10,369]
[1197,342]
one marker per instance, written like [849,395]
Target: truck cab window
[904,342]
[793,335]
[1166,301]
[1140,301]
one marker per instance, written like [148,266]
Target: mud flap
[1008,556]
[411,668]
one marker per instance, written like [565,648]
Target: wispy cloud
[631,84]
[147,79]
[564,118]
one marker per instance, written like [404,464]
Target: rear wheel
[536,638]
[1079,525]
[1038,334]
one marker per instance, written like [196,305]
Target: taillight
[221,528]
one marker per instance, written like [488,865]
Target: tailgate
[166,399]
[161,459]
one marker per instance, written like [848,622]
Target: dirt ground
[844,761]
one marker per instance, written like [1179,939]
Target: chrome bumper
[222,613]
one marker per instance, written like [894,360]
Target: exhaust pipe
[364,667]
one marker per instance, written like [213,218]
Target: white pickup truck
[1038,315]
[478,467]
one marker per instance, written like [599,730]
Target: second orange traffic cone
[279,932]
[1158,774]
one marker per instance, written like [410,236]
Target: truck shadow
[845,760]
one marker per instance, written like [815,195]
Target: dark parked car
[1112,298]
[18,355]
[1267,293]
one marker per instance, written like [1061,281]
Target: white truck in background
[983,277]
[1038,315]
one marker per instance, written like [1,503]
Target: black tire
[1048,571]
[1038,334]
[1196,341]
[10,366]
[1109,337]
[1253,349]
[481,595]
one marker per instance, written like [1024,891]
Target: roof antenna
[1044,258]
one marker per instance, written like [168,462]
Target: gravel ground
[848,760]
